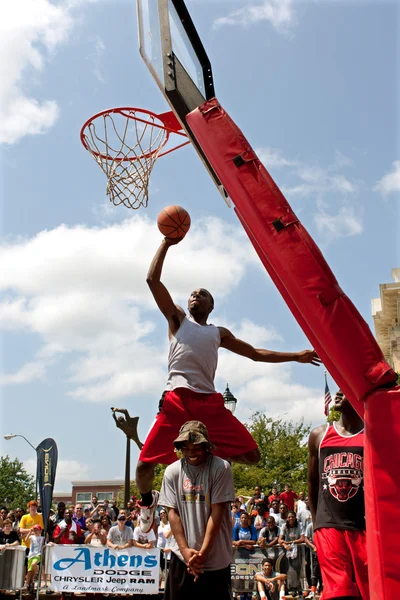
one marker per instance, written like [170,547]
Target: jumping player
[190,393]
[336,497]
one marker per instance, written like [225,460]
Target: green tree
[17,487]
[334,415]
[283,448]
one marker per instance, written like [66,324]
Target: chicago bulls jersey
[341,481]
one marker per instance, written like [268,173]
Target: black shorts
[180,585]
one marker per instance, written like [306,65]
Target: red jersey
[288,498]
[273,497]
[341,478]
[66,538]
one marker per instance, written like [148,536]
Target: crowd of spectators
[277,523]
[97,524]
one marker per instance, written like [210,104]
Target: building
[386,316]
[83,491]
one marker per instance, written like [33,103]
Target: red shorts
[230,437]
[342,556]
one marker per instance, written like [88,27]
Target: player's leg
[158,448]
[232,440]
[357,542]
[335,561]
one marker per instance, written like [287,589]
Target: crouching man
[197,491]
[270,584]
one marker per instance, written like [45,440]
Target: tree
[334,415]
[283,448]
[17,487]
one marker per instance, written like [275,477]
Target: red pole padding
[328,318]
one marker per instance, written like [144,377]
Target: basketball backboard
[174,54]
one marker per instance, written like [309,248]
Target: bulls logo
[344,485]
[343,475]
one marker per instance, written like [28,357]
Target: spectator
[89,528]
[3,514]
[120,537]
[236,511]
[114,509]
[260,520]
[163,534]
[59,516]
[128,521]
[67,531]
[292,535]
[244,535]
[28,521]
[34,556]
[305,516]
[97,536]
[273,496]
[242,502]
[269,537]
[274,510]
[300,504]
[315,571]
[8,536]
[18,516]
[79,518]
[255,499]
[94,507]
[283,512]
[288,497]
[143,540]
[110,512]
[105,523]
[270,584]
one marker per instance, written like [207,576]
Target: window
[105,496]
[84,497]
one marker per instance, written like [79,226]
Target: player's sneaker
[147,513]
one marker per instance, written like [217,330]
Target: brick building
[82,491]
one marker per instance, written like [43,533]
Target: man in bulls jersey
[336,495]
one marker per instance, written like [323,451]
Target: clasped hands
[194,561]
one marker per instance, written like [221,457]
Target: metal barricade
[12,562]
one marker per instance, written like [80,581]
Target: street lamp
[229,400]
[10,436]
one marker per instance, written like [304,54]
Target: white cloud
[277,12]
[29,33]
[271,157]
[82,291]
[344,223]
[390,182]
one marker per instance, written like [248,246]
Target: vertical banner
[47,456]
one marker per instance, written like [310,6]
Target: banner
[245,564]
[94,569]
[47,456]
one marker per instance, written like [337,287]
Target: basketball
[173,221]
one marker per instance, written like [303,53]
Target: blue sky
[314,87]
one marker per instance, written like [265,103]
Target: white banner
[91,569]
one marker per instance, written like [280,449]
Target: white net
[126,143]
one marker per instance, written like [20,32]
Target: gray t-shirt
[120,536]
[191,490]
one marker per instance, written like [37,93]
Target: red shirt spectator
[67,531]
[274,496]
[288,497]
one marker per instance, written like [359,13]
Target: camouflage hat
[194,432]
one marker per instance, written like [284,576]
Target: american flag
[328,397]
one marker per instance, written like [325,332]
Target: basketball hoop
[125,143]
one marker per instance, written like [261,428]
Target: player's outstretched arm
[234,344]
[173,313]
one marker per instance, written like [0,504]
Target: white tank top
[193,357]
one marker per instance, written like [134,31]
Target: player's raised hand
[172,241]
[309,356]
